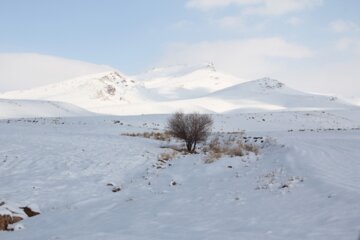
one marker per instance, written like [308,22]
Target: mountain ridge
[188,88]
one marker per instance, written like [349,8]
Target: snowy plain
[64,165]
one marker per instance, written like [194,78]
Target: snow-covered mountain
[186,82]
[161,90]
[35,108]
[270,94]
[188,88]
[90,92]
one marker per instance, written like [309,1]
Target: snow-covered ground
[355,101]
[39,108]
[304,184]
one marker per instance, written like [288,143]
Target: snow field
[64,166]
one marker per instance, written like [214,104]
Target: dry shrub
[237,151]
[166,156]
[214,145]
[212,157]
[162,136]
[231,146]
[251,148]
[192,128]
[181,149]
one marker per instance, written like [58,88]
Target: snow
[64,165]
[187,82]
[90,91]
[354,100]
[270,94]
[35,108]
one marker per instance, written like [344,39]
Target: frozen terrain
[35,108]
[304,184]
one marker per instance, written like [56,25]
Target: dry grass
[212,157]
[166,156]
[232,146]
[162,136]
[225,144]
[251,148]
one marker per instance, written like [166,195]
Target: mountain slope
[270,94]
[186,82]
[91,91]
[37,108]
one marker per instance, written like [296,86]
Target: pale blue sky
[286,39]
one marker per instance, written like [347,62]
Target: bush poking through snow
[11,214]
[162,136]
[166,156]
[233,146]
[251,148]
[192,128]
[212,157]
[7,220]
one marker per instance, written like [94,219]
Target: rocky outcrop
[30,212]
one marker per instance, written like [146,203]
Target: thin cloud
[258,7]
[344,26]
[209,4]
[348,44]
[295,21]
[231,22]
[281,7]
[247,58]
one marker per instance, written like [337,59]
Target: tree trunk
[189,146]
[194,147]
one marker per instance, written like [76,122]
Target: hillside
[270,94]
[38,108]
[186,82]
[91,92]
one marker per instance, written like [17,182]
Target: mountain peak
[210,66]
[173,71]
[113,75]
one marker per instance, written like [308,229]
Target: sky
[312,45]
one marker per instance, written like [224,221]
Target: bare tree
[192,128]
